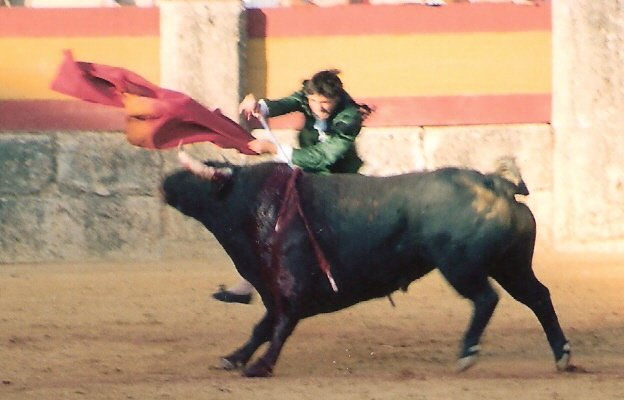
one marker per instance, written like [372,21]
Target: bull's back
[361,210]
[374,208]
[382,233]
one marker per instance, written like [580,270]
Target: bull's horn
[199,168]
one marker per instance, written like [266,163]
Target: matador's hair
[328,84]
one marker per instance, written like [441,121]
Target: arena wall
[468,91]
[588,81]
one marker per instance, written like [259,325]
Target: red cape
[157,118]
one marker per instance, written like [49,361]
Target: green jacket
[335,154]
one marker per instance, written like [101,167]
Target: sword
[280,149]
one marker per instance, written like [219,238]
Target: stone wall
[92,196]
[89,196]
[588,121]
[65,196]
[201,51]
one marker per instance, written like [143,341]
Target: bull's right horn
[199,168]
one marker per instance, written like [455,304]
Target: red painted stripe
[42,22]
[47,115]
[446,110]
[364,19]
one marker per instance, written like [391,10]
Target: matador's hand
[249,106]
[262,146]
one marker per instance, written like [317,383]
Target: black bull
[377,235]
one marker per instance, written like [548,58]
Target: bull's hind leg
[261,333]
[472,284]
[520,282]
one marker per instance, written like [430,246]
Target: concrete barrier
[588,90]
[86,195]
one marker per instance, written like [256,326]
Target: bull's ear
[199,168]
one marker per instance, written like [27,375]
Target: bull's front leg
[261,333]
[263,367]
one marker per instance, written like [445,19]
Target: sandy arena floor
[151,331]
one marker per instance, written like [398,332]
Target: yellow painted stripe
[29,64]
[407,65]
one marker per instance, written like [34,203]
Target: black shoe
[228,297]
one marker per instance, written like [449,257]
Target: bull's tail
[508,170]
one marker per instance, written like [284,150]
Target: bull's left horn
[199,168]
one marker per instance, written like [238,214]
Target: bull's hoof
[229,364]
[468,359]
[259,369]
[563,363]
